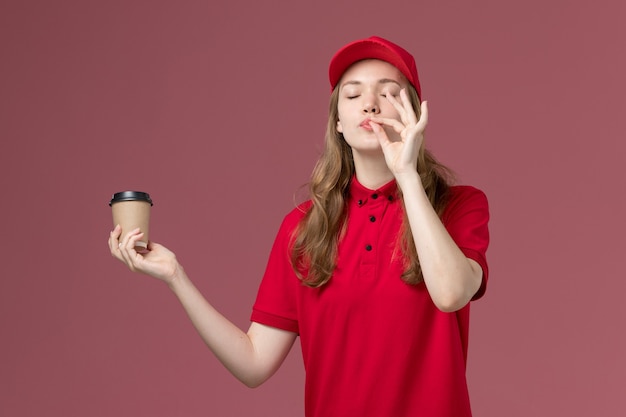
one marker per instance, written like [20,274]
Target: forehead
[372,69]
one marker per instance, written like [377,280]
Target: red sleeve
[466,218]
[277,300]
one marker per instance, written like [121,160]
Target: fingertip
[134,232]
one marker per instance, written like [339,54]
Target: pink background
[217,108]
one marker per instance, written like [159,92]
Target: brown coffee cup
[131,210]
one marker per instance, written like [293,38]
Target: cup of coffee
[131,210]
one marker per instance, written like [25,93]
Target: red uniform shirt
[373,345]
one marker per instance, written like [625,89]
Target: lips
[365,124]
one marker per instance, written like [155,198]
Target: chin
[371,149]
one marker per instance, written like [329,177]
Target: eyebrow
[381,81]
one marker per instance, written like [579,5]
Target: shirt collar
[360,195]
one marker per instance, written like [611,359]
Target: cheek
[341,109]
[340,118]
[387,108]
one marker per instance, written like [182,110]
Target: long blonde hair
[315,240]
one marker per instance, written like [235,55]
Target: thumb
[380,133]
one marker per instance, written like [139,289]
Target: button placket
[376,208]
[370,209]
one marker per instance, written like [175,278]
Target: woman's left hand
[401,154]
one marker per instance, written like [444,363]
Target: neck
[371,172]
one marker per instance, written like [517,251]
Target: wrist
[178,278]
[409,182]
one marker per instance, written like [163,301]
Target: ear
[339,127]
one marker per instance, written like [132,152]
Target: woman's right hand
[157,261]
[252,357]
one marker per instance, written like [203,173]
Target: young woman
[375,273]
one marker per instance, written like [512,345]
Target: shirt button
[360,202]
[390,198]
[368,247]
[372,219]
[374,196]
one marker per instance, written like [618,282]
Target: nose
[370,105]
[371,109]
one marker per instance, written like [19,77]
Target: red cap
[374,48]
